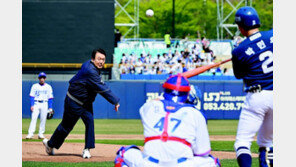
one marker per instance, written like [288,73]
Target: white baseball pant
[41,108]
[135,158]
[256,116]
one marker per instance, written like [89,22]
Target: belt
[180,160]
[74,99]
[40,101]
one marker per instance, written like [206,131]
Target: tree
[190,16]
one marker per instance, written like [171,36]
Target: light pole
[173,22]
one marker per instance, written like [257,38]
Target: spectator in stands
[132,69]
[117,37]
[177,68]
[186,58]
[198,62]
[191,66]
[139,66]
[177,44]
[158,70]
[208,58]
[149,60]
[206,46]
[164,68]
[164,58]
[203,62]
[196,49]
[175,58]
[184,67]
[123,69]
[171,62]
[146,70]
[142,58]
[167,39]
[123,59]
[133,59]
[218,71]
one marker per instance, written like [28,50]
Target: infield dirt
[71,152]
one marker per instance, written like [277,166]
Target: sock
[266,157]
[244,157]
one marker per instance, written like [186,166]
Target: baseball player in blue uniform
[41,97]
[82,91]
[253,62]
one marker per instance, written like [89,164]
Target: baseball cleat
[49,150]
[86,153]
[29,136]
[41,137]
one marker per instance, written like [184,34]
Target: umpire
[82,91]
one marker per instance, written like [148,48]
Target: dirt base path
[71,152]
[135,137]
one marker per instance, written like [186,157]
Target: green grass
[216,145]
[233,162]
[228,146]
[224,163]
[102,126]
[130,126]
[119,126]
[66,164]
[222,127]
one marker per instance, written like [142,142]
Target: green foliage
[190,16]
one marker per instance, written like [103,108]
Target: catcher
[175,132]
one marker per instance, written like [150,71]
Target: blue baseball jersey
[253,60]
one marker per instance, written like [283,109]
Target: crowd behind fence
[171,61]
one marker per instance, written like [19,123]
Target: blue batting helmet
[176,88]
[247,18]
[42,74]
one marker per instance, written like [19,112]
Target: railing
[57,65]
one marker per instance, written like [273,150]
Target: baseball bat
[202,69]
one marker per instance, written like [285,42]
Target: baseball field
[111,134]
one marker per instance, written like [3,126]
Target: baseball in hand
[116,107]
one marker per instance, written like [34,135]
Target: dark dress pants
[72,112]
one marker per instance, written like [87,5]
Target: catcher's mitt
[50,114]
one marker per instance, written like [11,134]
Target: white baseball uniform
[175,135]
[41,94]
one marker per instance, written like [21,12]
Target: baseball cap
[42,74]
